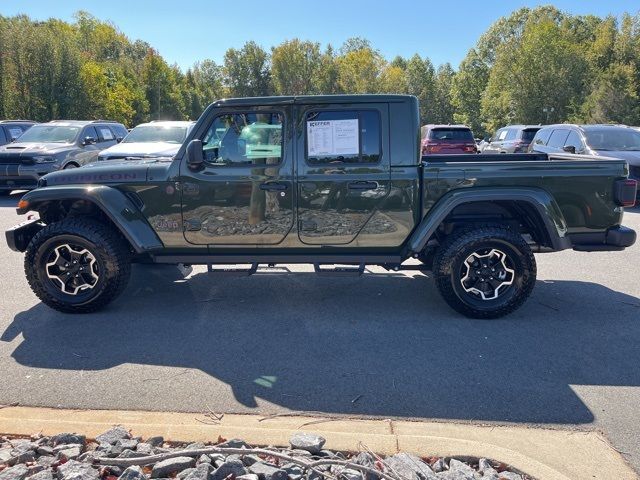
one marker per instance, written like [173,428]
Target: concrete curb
[542,453]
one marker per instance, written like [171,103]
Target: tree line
[537,65]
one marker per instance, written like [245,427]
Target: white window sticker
[15,132]
[333,137]
[106,133]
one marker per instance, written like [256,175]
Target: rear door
[343,170]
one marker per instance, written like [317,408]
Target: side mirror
[118,139]
[242,147]
[569,149]
[89,141]
[195,154]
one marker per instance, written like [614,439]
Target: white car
[150,140]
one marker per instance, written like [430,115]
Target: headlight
[44,159]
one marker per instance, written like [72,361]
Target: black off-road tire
[112,264]
[449,270]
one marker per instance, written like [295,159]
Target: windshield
[50,134]
[156,133]
[616,139]
[451,135]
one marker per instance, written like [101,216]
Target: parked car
[10,130]
[511,139]
[447,139]
[348,188]
[614,141]
[56,145]
[149,140]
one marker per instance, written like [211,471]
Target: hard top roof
[313,99]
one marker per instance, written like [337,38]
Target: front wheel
[486,272]
[77,265]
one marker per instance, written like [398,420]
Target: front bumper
[19,236]
[615,238]
[22,177]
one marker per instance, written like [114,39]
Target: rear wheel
[77,265]
[486,272]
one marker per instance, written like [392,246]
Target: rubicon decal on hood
[95,177]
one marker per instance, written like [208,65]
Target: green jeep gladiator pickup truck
[333,181]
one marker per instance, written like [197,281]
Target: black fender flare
[112,202]
[541,200]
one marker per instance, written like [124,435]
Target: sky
[185,31]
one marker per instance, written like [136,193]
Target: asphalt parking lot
[383,345]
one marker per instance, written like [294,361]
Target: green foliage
[536,65]
[247,71]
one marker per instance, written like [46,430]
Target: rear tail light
[430,148]
[625,192]
[470,148]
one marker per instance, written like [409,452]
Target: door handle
[361,185]
[274,186]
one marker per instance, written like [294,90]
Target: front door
[243,195]
[343,171]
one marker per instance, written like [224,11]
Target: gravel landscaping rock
[73,470]
[248,476]
[307,441]
[230,467]
[67,438]
[42,475]
[157,441]
[68,456]
[172,466]
[18,472]
[133,473]
[112,436]
[234,443]
[267,471]
[409,467]
[201,472]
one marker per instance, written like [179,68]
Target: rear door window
[511,134]
[451,135]
[558,137]
[343,136]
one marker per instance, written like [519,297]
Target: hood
[632,157]
[134,149]
[127,171]
[30,148]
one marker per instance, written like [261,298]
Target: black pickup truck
[333,181]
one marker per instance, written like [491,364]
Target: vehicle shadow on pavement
[383,345]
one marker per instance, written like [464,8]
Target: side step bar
[233,270]
[339,270]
